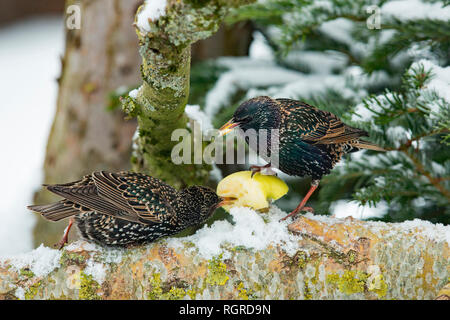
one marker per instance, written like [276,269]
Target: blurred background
[31,46]
[61,115]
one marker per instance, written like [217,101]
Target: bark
[344,259]
[160,101]
[99,58]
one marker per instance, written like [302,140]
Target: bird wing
[124,195]
[84,192]
[147,198]
[315,126]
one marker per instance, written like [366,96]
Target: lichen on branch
[327,258]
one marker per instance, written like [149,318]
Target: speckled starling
[125,208]
[311,141]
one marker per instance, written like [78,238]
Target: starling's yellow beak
[227,127]
[226,201]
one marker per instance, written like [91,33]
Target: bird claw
[61,243]
[65,238]
[297,211]
[308,209]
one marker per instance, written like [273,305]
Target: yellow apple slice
[251,192]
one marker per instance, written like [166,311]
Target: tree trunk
[99,58]
[336,259]
[227,41]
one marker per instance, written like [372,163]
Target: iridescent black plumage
[126,208]
[311,141]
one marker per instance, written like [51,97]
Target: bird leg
[65,238]
[301,206]
[268,170]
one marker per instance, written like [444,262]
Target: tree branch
[160,101]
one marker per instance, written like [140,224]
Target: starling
[126,208]
[311,141]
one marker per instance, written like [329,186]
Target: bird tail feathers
[55,211]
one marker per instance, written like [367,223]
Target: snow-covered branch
[257,257]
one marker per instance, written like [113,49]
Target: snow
[259,74]
[30,64]
[346,208]
[438,169]
[244,73]
[82,245]
[420,228]
[341,30]
[362,113]
[416,228]
[310,84]
[422,50]
[109,255]
[419,202]
[375,105]
[249,230]
[262,77]
[195,113]
[338,29]
[398,135]
[100,258]
[415,9]
[317,62]
[364,80]
[215,174]
[259,48]
[440,82]
[133,93]
[152,10]
[380,181]
[41,261]
[20,293]
[96,269]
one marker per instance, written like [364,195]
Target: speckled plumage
[311,141]
[126,208]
